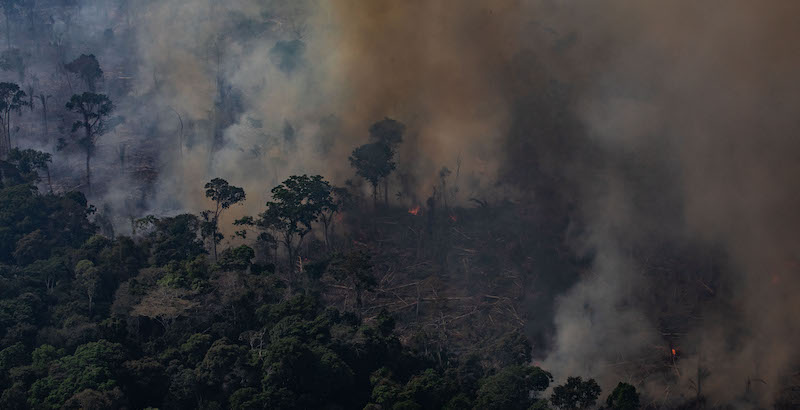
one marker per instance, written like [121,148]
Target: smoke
[224,68]
[702,94]
[267,90]
[667,129]
[686,142]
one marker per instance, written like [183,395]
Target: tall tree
[12,98]
[374,162]
[296,204]
[94,109]
[389,132]
[224,195]
[87,68]
[88,277]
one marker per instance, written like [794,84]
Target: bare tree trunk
[43,99]
[6,148]
[88,170]
[214,241]
[49,182]
[217,213]
[325,223]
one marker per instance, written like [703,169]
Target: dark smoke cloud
[703,93]
[687,136]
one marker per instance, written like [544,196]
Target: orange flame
[674,353]
[414,210]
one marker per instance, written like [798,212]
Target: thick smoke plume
[688,137]
[697,100]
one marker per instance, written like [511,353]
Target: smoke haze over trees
[488,198]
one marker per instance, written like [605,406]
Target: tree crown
[373,161]
[219,191]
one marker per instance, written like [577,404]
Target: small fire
[674,353]
[414,210]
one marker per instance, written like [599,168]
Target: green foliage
[44,355]
[186,274]
[12,356]
[429,390]
[296,204]
[311,372]
[60,221]
[385,389]
[238,258]
[224,195]
[195,347]
[88,321]
[247,398]
[18,313]
[221,366]
[29,162]
[93,366]
[575,394]
[624,397]
[514,387]
[176,239]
